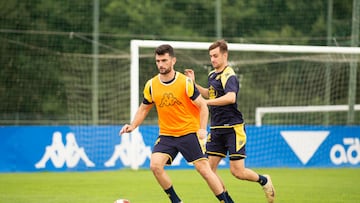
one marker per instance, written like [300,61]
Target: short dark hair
[219,43]
[163,49]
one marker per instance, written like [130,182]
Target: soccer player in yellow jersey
[227,128]
[182,118]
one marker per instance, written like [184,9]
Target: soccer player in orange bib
[182,118]
[227,128]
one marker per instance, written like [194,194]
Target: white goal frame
[261,111]
[135,45]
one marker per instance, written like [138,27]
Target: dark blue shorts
[188,145]
[222,141]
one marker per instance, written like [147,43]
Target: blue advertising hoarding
[86,148]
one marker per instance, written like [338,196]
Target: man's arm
[228,98]
[204,116]
[140,115]
[203,91]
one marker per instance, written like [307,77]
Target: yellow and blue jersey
[219,84]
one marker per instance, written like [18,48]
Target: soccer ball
[122,201]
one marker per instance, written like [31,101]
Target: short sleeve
[191,90]
[147,92]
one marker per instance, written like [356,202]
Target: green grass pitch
[292,185]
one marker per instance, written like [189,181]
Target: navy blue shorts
[188,145]
[222,141]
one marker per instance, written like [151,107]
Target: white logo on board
[304,143]
[60,154]
[339,154]
[132,151]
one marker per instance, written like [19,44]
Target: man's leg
[237,168]
[213,181]
[157,163]
[214,161]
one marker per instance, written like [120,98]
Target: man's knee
[237,169]
[156,167]
[239,174]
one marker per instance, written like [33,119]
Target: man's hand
[202,133]
[190,73]
[126,129]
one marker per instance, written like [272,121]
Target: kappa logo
[169,100]
[131,151]
[61,154]
[304,143]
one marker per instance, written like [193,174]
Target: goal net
[276,79]
[280,85]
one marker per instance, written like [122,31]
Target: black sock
[262,180]
[222,197]
[172,195]
[228,196]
